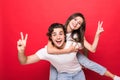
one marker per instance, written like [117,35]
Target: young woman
[75,26]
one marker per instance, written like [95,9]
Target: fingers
[100,28]
[76,47]
[100,24]
[19,43]
[22,37]
[26,36]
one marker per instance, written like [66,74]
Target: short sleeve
[42,53]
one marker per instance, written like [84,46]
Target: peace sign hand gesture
[21,43]
[100,28]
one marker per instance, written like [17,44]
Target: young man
[67,65]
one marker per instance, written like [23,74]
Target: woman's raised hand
[100,28]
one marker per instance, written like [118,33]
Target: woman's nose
[77,22]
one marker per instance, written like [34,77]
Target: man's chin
[59,46]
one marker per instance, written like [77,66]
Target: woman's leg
[91,65]
[53,73]
[87,63]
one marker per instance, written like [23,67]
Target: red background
[34,17]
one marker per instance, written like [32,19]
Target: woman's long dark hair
[79,32]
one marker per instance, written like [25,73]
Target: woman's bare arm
[94,45]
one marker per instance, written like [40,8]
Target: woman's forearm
[95,43]
[54,50]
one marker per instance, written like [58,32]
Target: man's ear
[50,38]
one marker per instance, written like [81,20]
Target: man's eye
[53,34]
[75,19]
[61,33]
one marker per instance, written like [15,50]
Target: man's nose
[58,36]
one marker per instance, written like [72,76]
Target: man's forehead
[57,29]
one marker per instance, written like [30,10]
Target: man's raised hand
[21,43]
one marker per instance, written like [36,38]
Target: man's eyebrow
[53,32]
[61,31]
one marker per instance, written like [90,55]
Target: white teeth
[58,40]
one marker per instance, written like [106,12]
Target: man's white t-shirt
[62,62]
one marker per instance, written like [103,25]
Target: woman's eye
[79,23]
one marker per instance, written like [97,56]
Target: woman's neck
[69,30]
